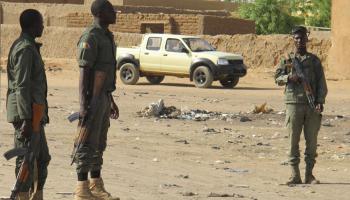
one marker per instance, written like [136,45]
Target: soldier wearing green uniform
[27,86]
[97,62]
[299,115]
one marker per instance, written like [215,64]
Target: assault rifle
[85,123]
[305,82]
[30,152]
[84,128]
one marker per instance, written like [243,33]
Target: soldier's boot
[97,188]
[309,177]
[295,177]
[38,195]
[23,196]
[82,192]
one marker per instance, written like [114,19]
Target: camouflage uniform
[299,115]
[27,85]
[96,50]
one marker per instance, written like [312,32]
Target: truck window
[153,43]
[174,45]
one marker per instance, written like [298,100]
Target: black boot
[295,177]
[309,177]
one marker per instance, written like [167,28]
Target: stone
[244,119]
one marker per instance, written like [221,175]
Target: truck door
[150,55]
[175,58]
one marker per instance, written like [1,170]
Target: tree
[270,16]
[315,12]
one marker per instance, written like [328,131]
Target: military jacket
[312,69]
[27,82]
[97,50]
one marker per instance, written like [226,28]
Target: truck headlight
[223,61]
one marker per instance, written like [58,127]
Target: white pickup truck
[182,56]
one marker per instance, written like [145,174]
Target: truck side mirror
[184,50]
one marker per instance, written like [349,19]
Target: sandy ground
[149,158]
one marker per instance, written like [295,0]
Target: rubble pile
[159,110]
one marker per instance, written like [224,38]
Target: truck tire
[229,82]
[155,79]
[203,77]
[129,74]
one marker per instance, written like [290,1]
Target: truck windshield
[198,44]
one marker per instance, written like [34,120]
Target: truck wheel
[202,77]
[229,82]
[155,79]
[129,74]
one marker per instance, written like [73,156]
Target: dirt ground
[151,159]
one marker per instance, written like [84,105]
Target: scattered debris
[263,144]
[126,129]
[159,110]
[285,163]
[183,176]
[210,130]
[141,93]
[262,109]
[182,141]
[213,194]
[245,119]
[327,123]
[65,193]
[189,194]
[54,69]
[169,186]
[153,110]
[236,170]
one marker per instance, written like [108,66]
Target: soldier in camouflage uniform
[299,115]
[97,62]
[27,85]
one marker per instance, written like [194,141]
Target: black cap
[98,5]
[300,29]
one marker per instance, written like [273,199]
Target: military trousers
[43,159]
[90,156]
[300,117]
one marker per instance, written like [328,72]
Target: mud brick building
[170,23]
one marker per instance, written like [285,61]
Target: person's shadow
[212,87]
[327,183]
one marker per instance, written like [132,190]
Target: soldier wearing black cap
[299,115]
[97,63]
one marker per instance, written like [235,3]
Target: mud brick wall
[47,1]
[169,10]
[185,4]
[186,24]
[222,25]
[259,51]
[131,23]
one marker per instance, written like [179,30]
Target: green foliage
[270,16]
[315,12]
[279,16]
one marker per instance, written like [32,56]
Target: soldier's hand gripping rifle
[305,82]
[30,152]
[86,121]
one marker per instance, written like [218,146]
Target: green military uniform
[97,51]
[299,115]
[27,85]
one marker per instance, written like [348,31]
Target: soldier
[299,115]
[97,62]
[27,85]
